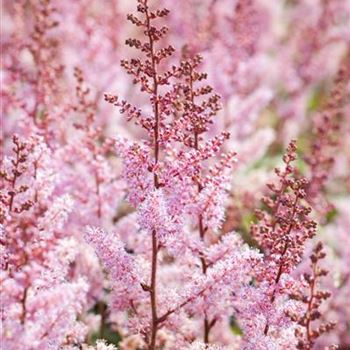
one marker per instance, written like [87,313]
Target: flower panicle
[312,297]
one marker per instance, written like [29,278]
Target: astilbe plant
[327,130]
[167,184]
[39,302]
[282,231]
[213,186]
[336,308]
[301,58]
[42,263]
[312,298]
[88,153]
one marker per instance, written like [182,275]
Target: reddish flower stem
[207,324]
[285,248]
[15,175]
[153,287]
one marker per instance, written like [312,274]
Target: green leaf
[109,335]
[331,215]
[236,330]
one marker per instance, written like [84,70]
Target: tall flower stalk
[312,297]
[147,74]
[199,106]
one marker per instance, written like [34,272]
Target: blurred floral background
[282,70]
